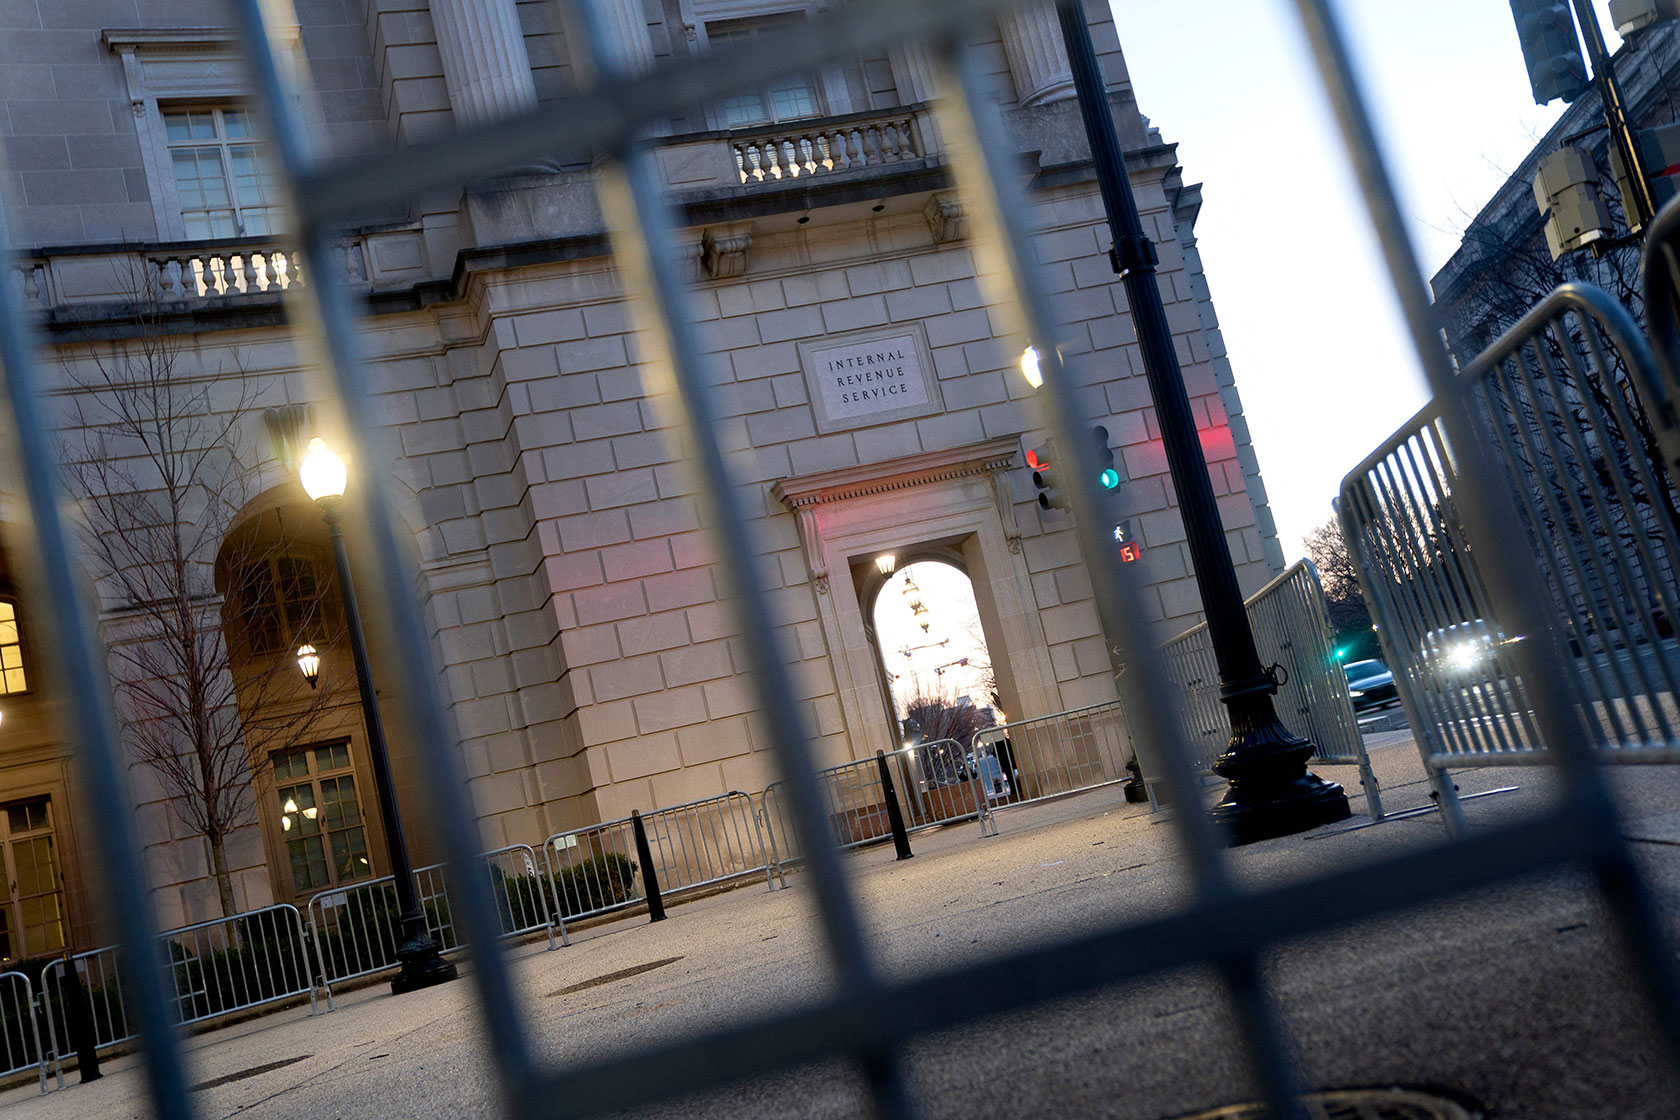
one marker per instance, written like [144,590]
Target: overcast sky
[1321,359]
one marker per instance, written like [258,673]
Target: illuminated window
[32,923]
[221,178]
[279,600]
[320,815]
[12,678]
[786,99]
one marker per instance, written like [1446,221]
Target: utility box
[1633,15]
[1566,190]
[1659,152]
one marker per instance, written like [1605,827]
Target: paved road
[1514,999]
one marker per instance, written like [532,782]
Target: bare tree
[160,455]
[1350,618]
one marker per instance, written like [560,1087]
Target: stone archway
[953,505]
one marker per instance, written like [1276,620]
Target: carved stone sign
[870,379]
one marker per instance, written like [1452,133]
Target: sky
[1322,361]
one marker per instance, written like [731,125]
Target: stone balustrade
[180,273]
[824,147]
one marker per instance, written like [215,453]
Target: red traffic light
[1036,458]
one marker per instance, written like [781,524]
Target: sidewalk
[1513,999]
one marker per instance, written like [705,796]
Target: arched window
[12,678]
[279,600]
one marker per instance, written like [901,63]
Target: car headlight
[1465,656]
[1355,693]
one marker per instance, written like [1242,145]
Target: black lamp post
[1271,791]
[324,477]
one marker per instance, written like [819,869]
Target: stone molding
[803,495]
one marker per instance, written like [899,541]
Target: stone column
[912,71]
[626,20]
[485,65]
[1037,58]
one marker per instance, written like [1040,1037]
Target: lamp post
[324,476]
[1271,791]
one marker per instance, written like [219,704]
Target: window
[321,823]
[32,923]
[279,603]
[787,99]
[221,180]
[12,679]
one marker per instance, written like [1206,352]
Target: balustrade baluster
[890,149]
[790,158]
[218,275]
[907,139]
[259,271]
[854,147]
[33,281]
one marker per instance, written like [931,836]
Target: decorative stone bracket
[804,496]
[946,218]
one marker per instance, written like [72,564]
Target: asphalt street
[1515,1001]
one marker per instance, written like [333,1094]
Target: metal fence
[934,782]
[865,1016]
[1292,632]
[20,1027]
[1051,756]
[209,969]
[357,929]
[698,844]
[1554,402]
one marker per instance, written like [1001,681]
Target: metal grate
[866,1018]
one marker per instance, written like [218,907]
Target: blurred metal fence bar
[930,794]
[1291,631]
[356,928]
[1554,400]
[1031,760]
[20,1027]
[865,1017]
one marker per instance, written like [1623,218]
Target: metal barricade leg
[1446,797]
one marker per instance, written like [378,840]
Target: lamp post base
[422,967]
[1272,793]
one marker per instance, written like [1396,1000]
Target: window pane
[334,757]
[199,178]
[743,109]
[793,98]
[299,815]
[14,681]
[236,123]
[350,855]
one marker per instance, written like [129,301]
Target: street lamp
[1271,793]
[324,477]
[309,664]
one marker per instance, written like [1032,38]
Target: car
[1370,685]
[1462,649]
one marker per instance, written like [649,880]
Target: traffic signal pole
[1271,791]
[1642,205]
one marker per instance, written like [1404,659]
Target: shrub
[597,883]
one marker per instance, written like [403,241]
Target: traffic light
[1546,31]
[1107,477]
[1566,189]
[1041,459]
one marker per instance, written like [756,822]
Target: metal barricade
[1031,760]
[20,1028]
[866,1016]
[934,781]
[211,968]
[520,889]
[1292,632]
[698,844]
[230,964]
[357,928]
[1554,402]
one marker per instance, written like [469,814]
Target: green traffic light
[1109,478]
[1341,653]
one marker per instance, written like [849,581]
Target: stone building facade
[587,661]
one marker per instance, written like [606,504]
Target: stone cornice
[974,460]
